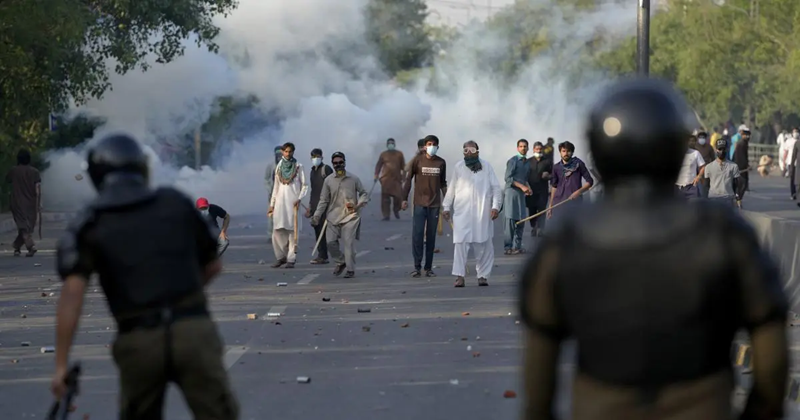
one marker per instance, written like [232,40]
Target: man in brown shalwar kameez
[25,183]
[393,163]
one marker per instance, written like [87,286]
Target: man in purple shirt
[567,177]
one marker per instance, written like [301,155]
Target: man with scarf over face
[473,199]
[653,324]
[567,176]
[389,170]
[516,190]
[342,197]
[269,181]
[290,187]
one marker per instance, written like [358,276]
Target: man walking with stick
[341,197]
[289,188]
[566,178]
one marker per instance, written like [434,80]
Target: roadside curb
[8,224]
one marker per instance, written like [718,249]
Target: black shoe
[349,274]
[397,215]
[430,273]
[18,253]
[31,252]
[338,270]
[278,263]
[416,274]
[289,265]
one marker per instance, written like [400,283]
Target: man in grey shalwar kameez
[516,188]
[269,181]
[26,192]
[342,196]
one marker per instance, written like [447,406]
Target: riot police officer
[154,255]
[653,322]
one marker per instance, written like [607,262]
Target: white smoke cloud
[272,50]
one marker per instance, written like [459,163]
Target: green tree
[397,31]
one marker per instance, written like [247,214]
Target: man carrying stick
[341,197]
[474,200]
[566,178]
[289,188]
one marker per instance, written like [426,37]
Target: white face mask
[316,161]
[537,155]
[701,140]
[795,135]
[431,150]
[204,212]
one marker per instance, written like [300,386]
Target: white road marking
[394,237]
[308,279]
[233,355]
[362,253]
[274,310]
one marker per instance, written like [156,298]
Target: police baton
[369,196]
[61,408]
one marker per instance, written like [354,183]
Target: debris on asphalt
[478,338]
[469,348]
[23,316]
[48,349]
[282,284]
[509,394]
[404,325]
[273,314]
[365,328]
[14,361]
[261,262]
[388,248]
[476,354]
[303,380]
[364,310]
[261,279]
[454,382]
[277,323]
[78,177]
[247,276]
[37,265]
[326,299]
[464,339]
[44,294]
[252,316]
[464,313]
[25,344]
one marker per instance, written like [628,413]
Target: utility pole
[197,149]
[643,38]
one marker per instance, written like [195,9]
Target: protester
[549,149]
[741,158]
[342,196]
[690,174]
[26,201]
[429,175]
[516,190]
[290,188]
[389,171]
[568,175]
[708,154]
[213,212]
[473,199]
[541,167]
[723,176]
[790,156]
[269,181]
[319,172]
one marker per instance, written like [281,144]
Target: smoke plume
[318,85]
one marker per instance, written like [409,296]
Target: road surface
[425,350]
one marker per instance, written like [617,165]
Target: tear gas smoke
[305,62]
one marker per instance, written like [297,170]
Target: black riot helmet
[639,130]
[116,154]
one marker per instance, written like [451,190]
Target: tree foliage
[54,52]
[397,31]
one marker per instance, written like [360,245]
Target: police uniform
[652,320]
[150,249]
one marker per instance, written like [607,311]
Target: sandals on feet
[416,274]
[459,282]
[339,269]
[483,282]
[430,273]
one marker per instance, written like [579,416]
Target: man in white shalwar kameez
[473,199]
[289,188]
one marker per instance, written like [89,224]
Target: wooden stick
[296,224]
[549,208]
[316,247]
[439,229]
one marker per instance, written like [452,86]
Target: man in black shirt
[538,179]
[154,255]
[212,212]
[319,171]
[742,159]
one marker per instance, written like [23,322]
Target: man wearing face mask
[212,213]
[474,200]
[269,181]
[342,196]
[389,170]
[538,180]
[516,190]
[290,188]
[741,158]
[708,154]
[722,175]
[319,172]
[429,175]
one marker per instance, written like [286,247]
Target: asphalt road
[425,349]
